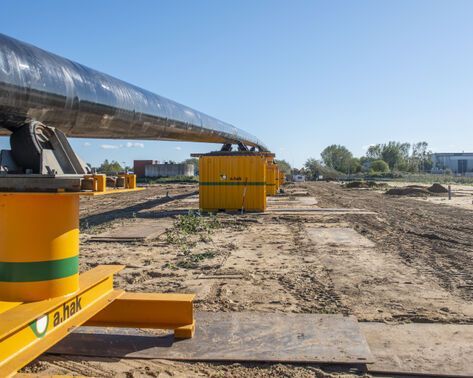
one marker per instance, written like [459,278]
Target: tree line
[379,159]
[336,159]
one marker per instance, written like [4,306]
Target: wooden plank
[317,210]
[140,230]
[309,338]
[421,348]
[340,236]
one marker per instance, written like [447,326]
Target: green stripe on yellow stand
[232,183]
[38,270]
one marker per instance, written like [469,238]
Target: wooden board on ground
[280,202]
[340,236]
[421,348]
[140,230]
[238,336]
[297,193]
[316,210]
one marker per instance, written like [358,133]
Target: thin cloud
[87,144]
[109,146]
[178,148]
[135,145]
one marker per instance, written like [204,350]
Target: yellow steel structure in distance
[282,178]
[42,295]
[276,179]
[232,181]
[271,171]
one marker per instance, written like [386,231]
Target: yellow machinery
[276,179]
[271,178]
[232,181]
[282,178]
[42,295]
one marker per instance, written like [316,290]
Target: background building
[169,170]
[458,162]
[139,166]
[298,178]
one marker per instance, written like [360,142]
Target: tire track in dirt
[434,238]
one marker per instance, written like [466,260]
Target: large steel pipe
[38,85]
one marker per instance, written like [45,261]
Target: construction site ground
[400,260]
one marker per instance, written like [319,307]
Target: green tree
[314,168]
[110,167]
[374,152]
[421,158]
[284,166]
[355,165]
[379,166]
[395,154]
[337,157]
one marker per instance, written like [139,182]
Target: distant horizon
[300,76]
[118,145]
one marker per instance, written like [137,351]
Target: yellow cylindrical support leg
[39,246]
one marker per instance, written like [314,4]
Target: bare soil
[434,239]
[411,261]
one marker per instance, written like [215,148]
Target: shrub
[379,166]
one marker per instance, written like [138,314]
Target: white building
[298,178]
[458,162]
[169,170]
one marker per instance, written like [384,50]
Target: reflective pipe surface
[82,102]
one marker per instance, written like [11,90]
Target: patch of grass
[202,256]
[188,230]
[186,264]
[433,178]
[170,266]
[194,223]
[422,178]
[192,261]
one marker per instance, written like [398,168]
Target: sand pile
[365,185]
[437,188]
[413,191]
[418,190]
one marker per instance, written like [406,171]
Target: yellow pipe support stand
[42,297]
[271,179]
[130,181]
[29,329]
[232,182]
[39,246]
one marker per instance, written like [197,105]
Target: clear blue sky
[300,75]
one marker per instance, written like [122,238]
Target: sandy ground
[409,262]
[462,195]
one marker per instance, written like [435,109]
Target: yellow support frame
[149,310]
[100,184]
[33,320]
[29,329]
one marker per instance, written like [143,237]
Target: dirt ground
[462,197]
[408,261]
